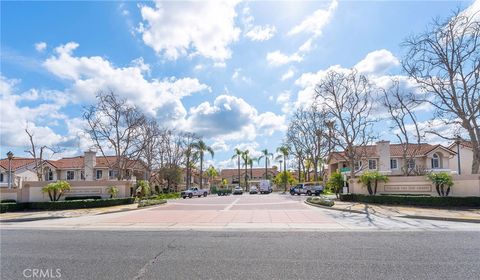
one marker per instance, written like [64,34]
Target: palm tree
[250,162]
[267,156]
[201,148]
[211,172]
[245,163]
[284,151]
[238,155]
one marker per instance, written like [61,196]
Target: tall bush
[336,182]
[56,190]
[143,188]
[112,191]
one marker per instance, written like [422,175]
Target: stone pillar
[90,163]
[383,151]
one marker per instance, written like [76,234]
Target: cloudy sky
[230,71]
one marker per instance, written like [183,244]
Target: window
[112,174]
[358,165]
[70,174]
[393,164]
[372,164]
[1,177]
[411,164]
[82,175]
[435,161]
[99,174]
[49,175]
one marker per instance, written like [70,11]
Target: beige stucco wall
[466,159]
[6,193]
[32,191]
[464,185]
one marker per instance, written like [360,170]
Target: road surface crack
[143,270]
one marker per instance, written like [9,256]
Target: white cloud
[88,75]
[256,32]
[377,62]
[315,23]
[288,75]
[238,76]
[473,11]
[277,58]
[220,146]
[176,29]
[261,33]
[40,46]
[231,118]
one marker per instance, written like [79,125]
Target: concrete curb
[463,220]
[336,209]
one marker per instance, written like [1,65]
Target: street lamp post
[10,157]
[458,154]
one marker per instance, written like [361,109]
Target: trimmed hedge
[321,201]
[64,205]
[429,201]
[8,201]
[82,197]
[150,202]
[224,191]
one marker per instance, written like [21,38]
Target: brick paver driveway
[246,212]
[225,210]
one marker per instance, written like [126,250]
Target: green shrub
[166,196]
[224,191]
[321,201]
[149,202]
[8,201]
[369,177]
[213,190]
[430,201]
[64,205]
[335,183]
[112,191]
[143,188]
[82,197]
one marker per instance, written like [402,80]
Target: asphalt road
[240,255]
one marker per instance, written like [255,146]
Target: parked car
[265,186]
[238,190]
[307,189]
[253,190]
[194,191]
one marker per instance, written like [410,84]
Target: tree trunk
[201,170]
[375,189]
[442,190]
[448,191]
[238,170]
[369,188]
[285,171]
[476,158]
[437,187]
[266,168]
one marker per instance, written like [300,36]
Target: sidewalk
[45,215]
[454,214]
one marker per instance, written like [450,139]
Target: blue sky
[232,72]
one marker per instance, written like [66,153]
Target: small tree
[143,188]
[441,180]
[367,178]
[336,183]
[285,178]
[56,190]
[112,191]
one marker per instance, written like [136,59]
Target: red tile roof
[467,144]
[257,172]
[396,150]
[17,162]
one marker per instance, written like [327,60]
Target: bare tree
[445,62]
[151,140]
[114,124]
[347,99]
[400,106]
[37,153]
[307,134]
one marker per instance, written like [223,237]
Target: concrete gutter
[336,209]
[448,219]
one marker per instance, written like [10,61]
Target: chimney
[90,163]
[383,151]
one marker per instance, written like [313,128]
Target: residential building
[22,169]
[465,152]
[388,159]
[256,174]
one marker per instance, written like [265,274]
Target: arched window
[435,161]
